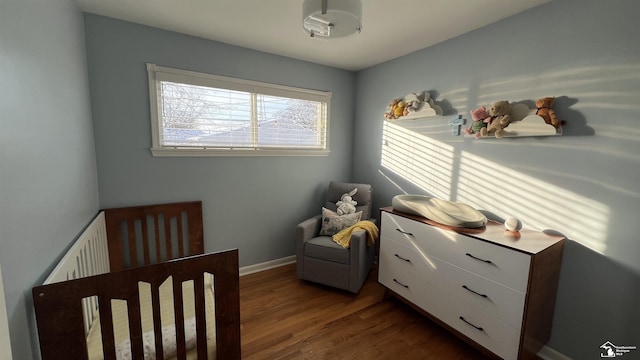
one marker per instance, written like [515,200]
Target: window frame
[156,74]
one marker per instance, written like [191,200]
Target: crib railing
[59,316]
[143,235]
[88,256]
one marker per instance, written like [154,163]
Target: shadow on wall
[586,278]
[598,89]
[445,172]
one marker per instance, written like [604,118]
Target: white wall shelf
[525,123]
[426,108]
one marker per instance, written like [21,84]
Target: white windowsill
[200,152]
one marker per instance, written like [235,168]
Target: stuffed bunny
[347,205]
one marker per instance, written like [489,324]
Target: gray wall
[48,180]
[585,184]
[250,203]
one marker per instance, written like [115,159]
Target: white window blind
[195,114]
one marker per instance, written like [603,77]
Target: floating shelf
[426,109]
[424,114]
[526,123]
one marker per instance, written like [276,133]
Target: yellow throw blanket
[343,237]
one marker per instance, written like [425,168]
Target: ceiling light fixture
[341,19]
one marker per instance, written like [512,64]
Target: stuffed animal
[410,107]
[500,112]
[389,113]
[546,112]
[398,109]
[395,109]
[346,204]
[413,102]
[478,116]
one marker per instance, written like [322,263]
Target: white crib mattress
[121,323]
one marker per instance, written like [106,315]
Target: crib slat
[156,229]
[131,235]
[180,237]
[103,250]
[145,240]
[167,236]
[135,322]
[157,319]
[178,309]
[200,314]
[106,328]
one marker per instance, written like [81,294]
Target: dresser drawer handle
[404,232]
[401,258]
[476,327]
[401,284]
[479,259]
[475,292]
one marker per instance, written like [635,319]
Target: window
[196,114]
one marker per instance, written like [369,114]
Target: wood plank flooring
[283,317]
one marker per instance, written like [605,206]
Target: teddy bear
[500,112]
[346,204]
[413,102]
[389,113]
[410,107]
[395,109]
[478,116]
[545,111]
[398,109]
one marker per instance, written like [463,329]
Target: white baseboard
[547,353]
[246,270]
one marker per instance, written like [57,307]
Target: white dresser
[494,289]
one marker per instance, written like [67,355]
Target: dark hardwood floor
[286,318]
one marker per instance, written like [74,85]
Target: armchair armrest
[308,229]
[358,244]
[305,231]
[361,258]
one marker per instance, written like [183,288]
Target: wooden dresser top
[526,240]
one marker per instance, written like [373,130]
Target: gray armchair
[321,260]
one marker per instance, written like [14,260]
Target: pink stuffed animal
[479,117]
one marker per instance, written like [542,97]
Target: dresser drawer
[486,330]
[404,276]
[409,259]
[495,299]
[502,265]
[499,301]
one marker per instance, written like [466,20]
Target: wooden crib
[125,261]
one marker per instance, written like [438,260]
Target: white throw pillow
[332,223]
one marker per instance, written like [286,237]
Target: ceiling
[390,28]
